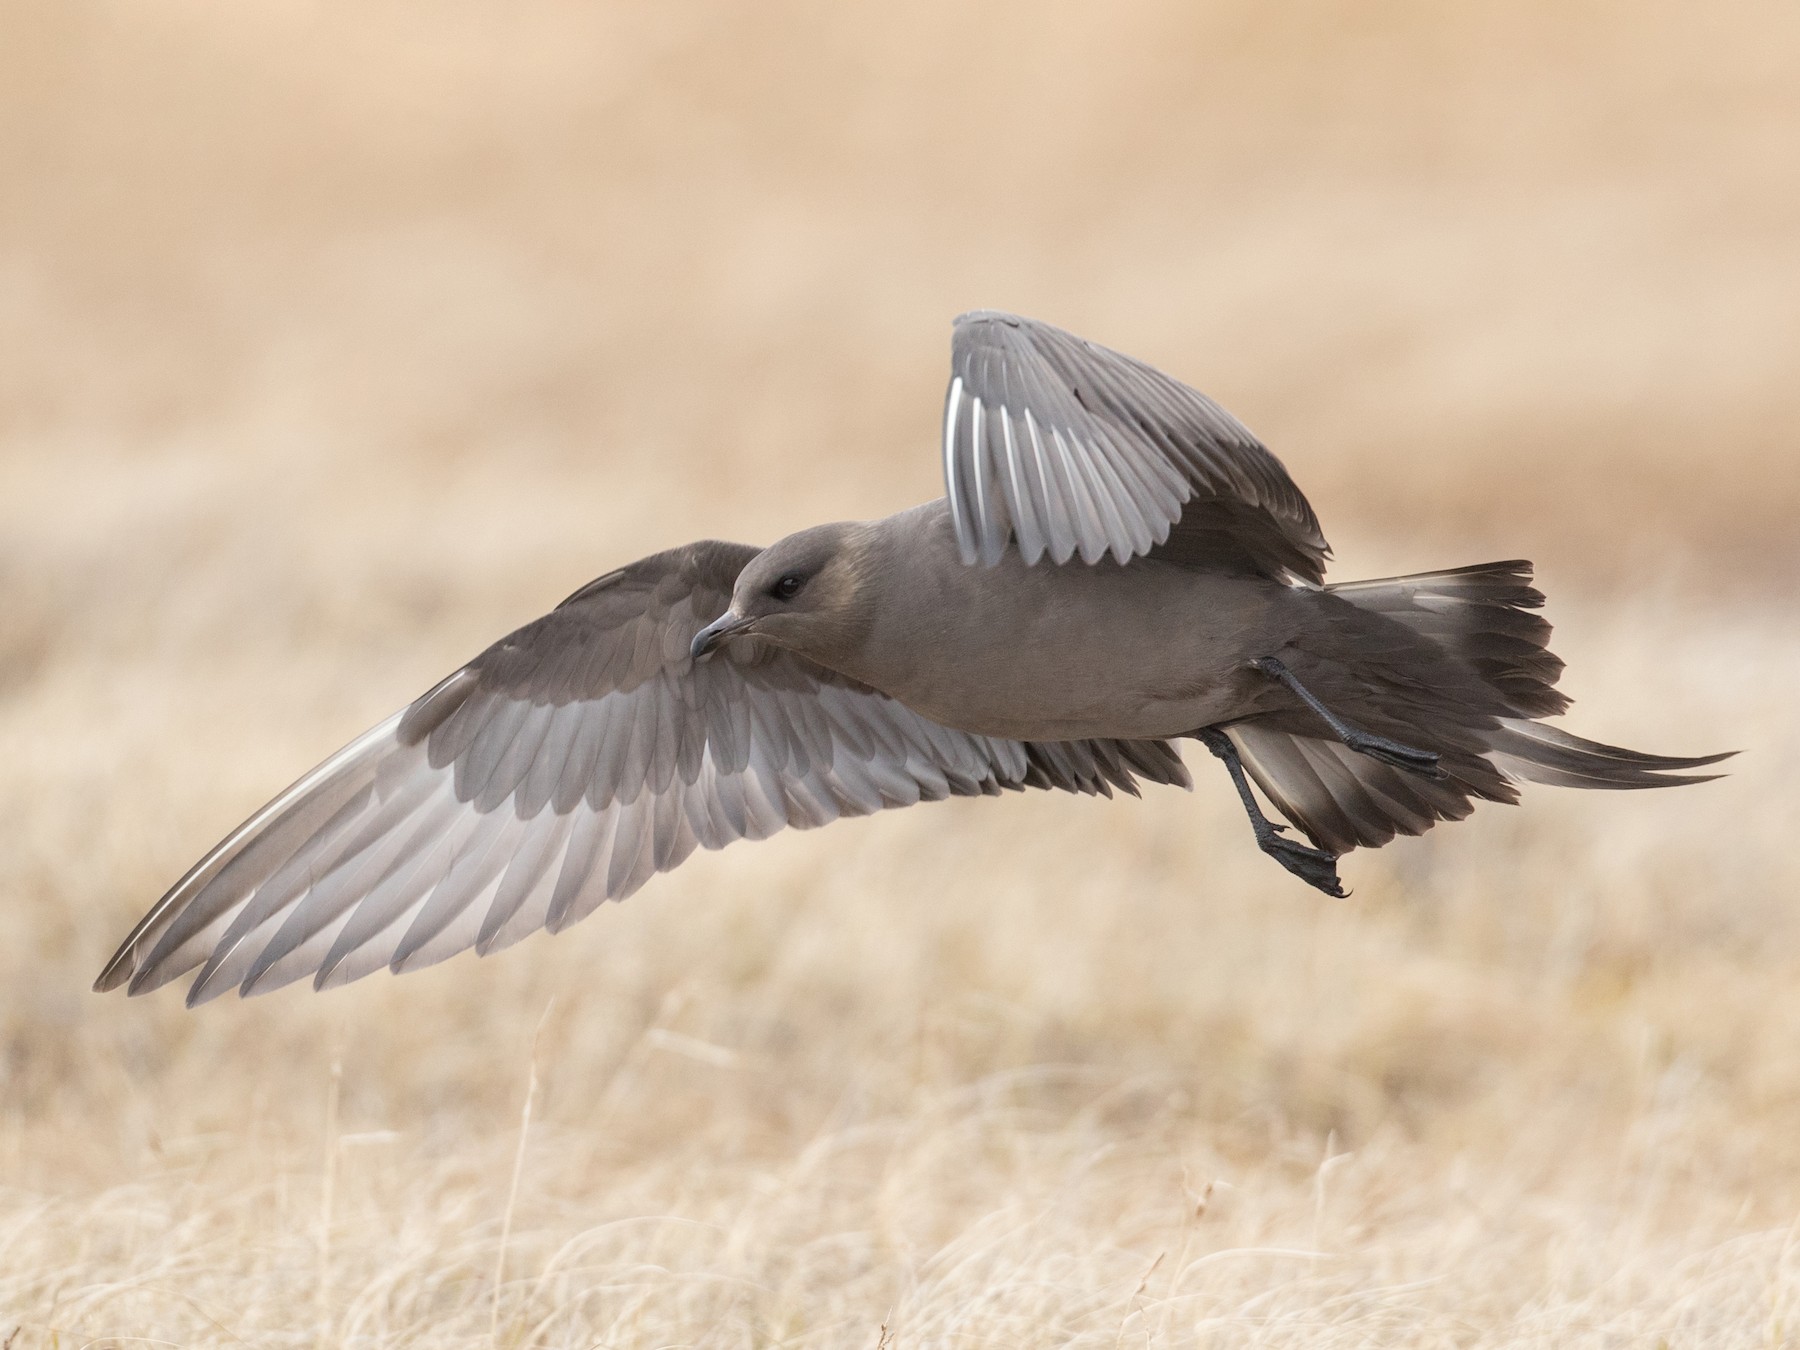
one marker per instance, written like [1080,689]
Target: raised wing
[1066,447]
[562,767]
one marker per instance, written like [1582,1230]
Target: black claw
[1312,865]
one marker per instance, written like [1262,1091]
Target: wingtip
[110,978]
[203,991]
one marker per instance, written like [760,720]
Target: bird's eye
[788,587]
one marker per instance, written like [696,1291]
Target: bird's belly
[1077,654]
[1049,703]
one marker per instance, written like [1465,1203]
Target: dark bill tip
[715,633]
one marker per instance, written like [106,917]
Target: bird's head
[808,593]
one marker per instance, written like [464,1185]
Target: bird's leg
[1422,762]
[1312,865]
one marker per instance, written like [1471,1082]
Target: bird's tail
[1456,662]
[1531,751]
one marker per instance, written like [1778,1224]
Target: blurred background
[336,340]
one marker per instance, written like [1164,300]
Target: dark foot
[1314,866]
[1422,762]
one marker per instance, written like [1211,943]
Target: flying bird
[1117,564]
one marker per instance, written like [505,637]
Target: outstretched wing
[563,767]
[1066,447]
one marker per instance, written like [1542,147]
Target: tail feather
[1475,621]
[1532,752]
[1481,614]
[1343,799]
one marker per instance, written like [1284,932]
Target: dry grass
[336,339]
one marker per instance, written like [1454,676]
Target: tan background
[337,339]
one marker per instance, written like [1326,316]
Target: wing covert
[1065,447]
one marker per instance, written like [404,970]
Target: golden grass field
[337,339]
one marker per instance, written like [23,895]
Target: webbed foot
[1314,866]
